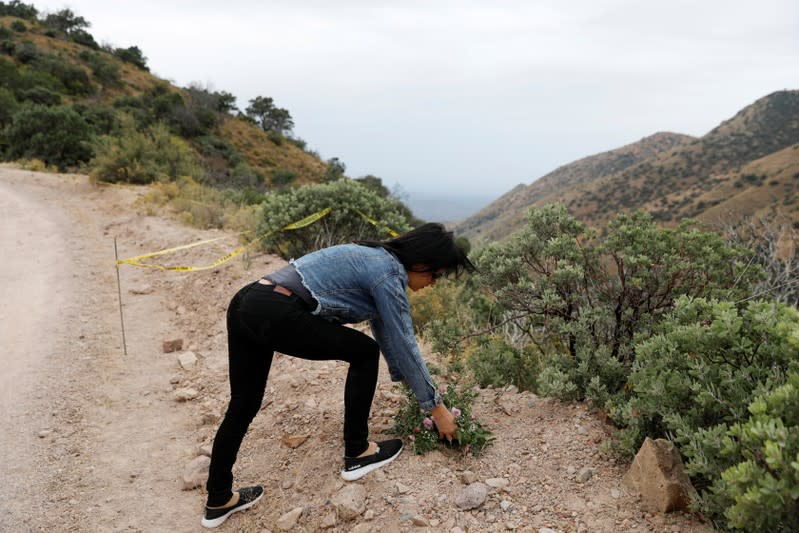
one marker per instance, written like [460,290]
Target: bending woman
[301,311]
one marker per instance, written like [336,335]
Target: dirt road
[83,438]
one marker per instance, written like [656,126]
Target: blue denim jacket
[353,283]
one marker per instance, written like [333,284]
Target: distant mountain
[746,165]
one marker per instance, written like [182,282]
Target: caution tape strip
[307,221]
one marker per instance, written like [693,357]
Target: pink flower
[417,430]
[456,412]
[428,424]
[411,438]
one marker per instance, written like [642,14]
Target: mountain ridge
[673,176]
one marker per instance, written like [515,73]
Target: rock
[206,449]
[585,474]
[44,433]
[369,515]
[471,496]
[615,494]
[328,521]
[510,526]
[402,489]
[350,501]
[187,360]
[505,505]
[293,441]
[289,520]
[546,530]
[468,477]
[173,346]
[420,521]
[196,472]
[185,394]
[498,483]
[143,289]
[658,475]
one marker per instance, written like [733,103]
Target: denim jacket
[353,283]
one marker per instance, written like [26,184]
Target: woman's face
[420,276]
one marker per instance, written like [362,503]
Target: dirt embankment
[94,440]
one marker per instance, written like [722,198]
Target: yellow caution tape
[376,224]
[307,221]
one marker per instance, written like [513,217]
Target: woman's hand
[445,422]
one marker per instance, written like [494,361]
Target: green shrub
[73,78]
[8,106]
[694,378]
[588,297]
[761,492]
[56,135]
[705,363]
[39,95]
[282,177]
[344,223]
[26,52]
[143,157]
[5,33]
[19,26]
[496,363]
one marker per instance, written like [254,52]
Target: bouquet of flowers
[470,436]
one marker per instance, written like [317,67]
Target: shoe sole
[221,520]
[358,474]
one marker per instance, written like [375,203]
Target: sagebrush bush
[142,157]
[761,492]
[348,202]
[56,135]
[496,363]
[694,378]
[587,297]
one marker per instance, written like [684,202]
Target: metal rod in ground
[119,292]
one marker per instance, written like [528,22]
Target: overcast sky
[471,97]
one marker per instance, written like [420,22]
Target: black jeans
[260,322]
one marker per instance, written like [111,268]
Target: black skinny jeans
[260,322]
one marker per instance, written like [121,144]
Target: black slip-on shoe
[357,467]
[247,498]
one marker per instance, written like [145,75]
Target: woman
[300,311]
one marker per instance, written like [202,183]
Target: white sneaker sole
[221,520]
[352,475]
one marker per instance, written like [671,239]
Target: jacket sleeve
[393,330]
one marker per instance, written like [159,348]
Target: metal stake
[119,292]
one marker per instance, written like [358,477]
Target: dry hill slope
[684,179]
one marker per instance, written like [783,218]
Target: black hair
[430,245]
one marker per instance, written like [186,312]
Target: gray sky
[469,97]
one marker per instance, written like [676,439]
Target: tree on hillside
[15,8]
[262,109]
[65,21]
[132,55]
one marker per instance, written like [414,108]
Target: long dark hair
[430,245]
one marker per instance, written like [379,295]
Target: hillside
[53,73]
[494,221]
[748,164]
